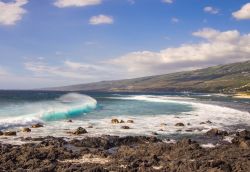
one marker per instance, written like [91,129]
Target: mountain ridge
[229,78]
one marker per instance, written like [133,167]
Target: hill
[229,78]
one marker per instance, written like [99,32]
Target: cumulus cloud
[168,1]
[243,13]
[12,12]
[214,47]
[211,10]
[76,3]
[101,19]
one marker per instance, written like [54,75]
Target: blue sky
[60,42]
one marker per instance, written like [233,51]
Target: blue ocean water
[149,111]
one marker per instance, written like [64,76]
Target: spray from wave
[70,105]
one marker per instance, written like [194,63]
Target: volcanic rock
[115,121]
[125,127]
[9,133]
[38,125]
[26,130]
[179,124]
[216,132]
[80,131]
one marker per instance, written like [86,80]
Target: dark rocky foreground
[111,153]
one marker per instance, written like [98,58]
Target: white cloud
[243,13]
[12,12]
[216,48]
[76,3]
[211,10]
[168,1]
[101,19]
[175,20]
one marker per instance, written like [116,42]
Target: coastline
[139,153]
[242,96]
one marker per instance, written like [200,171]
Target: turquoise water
[53,109]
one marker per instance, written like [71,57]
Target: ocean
[152,113]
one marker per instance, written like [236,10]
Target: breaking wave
[70,105]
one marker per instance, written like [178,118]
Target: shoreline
[130,153]
[242,96]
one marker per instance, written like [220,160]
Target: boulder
[179,124]
[216,132]
[245,134]
[70,120]
[244,144]
[9,133]
[80,131]
[1,133]
[115,121]
[130,121]
[38,125]
[26,130]
[125,127]
[122,121]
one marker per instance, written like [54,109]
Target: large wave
[70,105]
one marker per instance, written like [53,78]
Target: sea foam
[67,106]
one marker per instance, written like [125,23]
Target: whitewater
[151,114]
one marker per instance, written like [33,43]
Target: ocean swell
[67,106]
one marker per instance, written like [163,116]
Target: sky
[46,43]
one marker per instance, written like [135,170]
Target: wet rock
[207,122]
[188,124]
[70,120]
[130,121]
[26,130]
[245,134]
[90,126]
[115,121]
[154,133]
[38,125]
[179,124]
[216,132]
[244,144]
[1,133]
[189,130]
[160,130]
[9,133]
[125,127]
[122,121]
[80,131]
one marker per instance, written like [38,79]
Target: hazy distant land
[232,78]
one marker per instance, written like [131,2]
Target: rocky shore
[139,153]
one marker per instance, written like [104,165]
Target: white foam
[30,113]
[221,118]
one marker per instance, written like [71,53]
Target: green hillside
[229,78]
